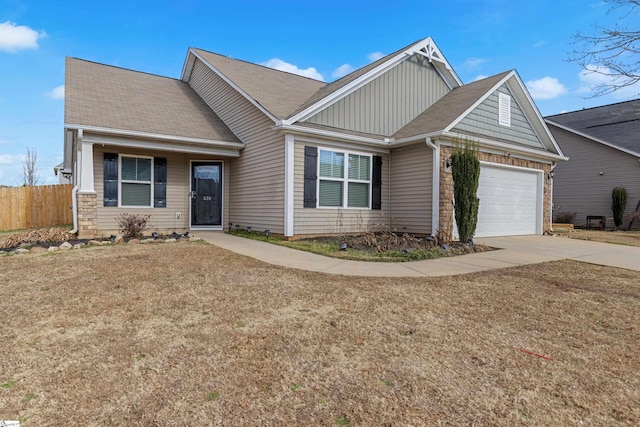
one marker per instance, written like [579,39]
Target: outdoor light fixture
[249,230]
[237,228]
[447,163]
[550,175]
[230,225]
[343,246]
[154,235]
[266,233]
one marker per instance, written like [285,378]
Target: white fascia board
[341,145]
[235,86]
[584,135]
[333,135]
[478,102]
[120,141]
[504,148]
[187,67]
[539,117]
[156,136]
[367,77]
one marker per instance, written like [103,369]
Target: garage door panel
[509,201]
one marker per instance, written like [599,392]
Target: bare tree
[30,172]
[612,52]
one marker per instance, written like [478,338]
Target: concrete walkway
[515,251]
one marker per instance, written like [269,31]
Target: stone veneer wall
[87,215]
[445,232]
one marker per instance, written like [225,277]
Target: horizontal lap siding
[256,192]
[324,221]
[412,188]
[578,186]
[389,102]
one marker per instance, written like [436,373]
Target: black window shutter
[376,184]
[110,179]
[310,176]
[159,182]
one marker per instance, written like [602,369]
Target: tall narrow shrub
[465,168]
[619,196]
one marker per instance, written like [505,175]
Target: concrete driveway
[514,251]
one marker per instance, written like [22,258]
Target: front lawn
[190,334]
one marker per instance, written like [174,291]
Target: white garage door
[510,201]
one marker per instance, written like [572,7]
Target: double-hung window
[136,181]
[344,179]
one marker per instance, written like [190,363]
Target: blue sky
[320,39]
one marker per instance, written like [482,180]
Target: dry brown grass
[620,237]
[189,334]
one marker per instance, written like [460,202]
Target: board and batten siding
[313,221]
[256,189]
[483,120]
[578,186]
[389,102]
[412,189]
[163,220]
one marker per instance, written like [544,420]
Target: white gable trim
[186,74]
[425,47]
[584,135]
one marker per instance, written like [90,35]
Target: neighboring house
[233,142]
[63,178]
[603,144]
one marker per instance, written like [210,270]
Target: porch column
[87,199]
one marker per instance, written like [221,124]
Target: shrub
[132,225]
[619,196]
[565,217]
[465,168]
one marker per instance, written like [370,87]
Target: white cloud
[16,37]
[10,159]
[56,92]
[473,63]
[593,76]
[342,70]
[374,56]
[480,77]
[279,64]
[545,88]
[539,43]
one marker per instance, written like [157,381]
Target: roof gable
[617,124]
[277,93]
[104,96]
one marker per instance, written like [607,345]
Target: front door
[206,194]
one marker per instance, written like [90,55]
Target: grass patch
[214,395]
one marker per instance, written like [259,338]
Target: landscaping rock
[37,249]
[134,241]
[170,240]
[144,241]
[94,242]
[119,240]
[66,246]
[22,251]
[53,249]
[77,246]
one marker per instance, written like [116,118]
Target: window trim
[128,181]
[345,179]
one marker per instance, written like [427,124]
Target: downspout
[435,190]
[74,191]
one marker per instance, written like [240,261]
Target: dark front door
[206,193]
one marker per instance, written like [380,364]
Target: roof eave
[592,138]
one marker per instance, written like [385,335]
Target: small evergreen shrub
[132,225]
[465,168]
[619,196]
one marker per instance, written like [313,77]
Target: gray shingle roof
[448,108]
[116,98]
[617,124]
[278,92]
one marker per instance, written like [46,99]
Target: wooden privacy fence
[35,207]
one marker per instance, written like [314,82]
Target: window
[135,181]
[345,179]
[504,109]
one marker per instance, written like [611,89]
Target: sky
[324,40]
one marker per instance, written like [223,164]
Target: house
[232,142]
[604,146]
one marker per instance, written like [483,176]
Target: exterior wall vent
[504,109]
